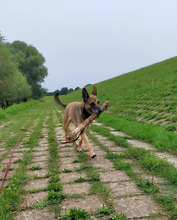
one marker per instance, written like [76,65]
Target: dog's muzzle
[97,111]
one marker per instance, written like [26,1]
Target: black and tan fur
[77,112]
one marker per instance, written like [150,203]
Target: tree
[31,64]
[63,91]
[19,89]
[70,90]
[77,88]
[13,85]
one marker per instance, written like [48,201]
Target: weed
[75,161]
[83,167]
[117,217]
[4,169]
[18,161]
[77,196]
[168,201]
[67,171]
[113,156]
[36,176]
[55,187]
[41,205]
[147,186]
[80,180]
[118,165]
[93,176]
[37,190]
[83,157]
[100,189]
[37,167]
[76,214]
[171,128]
[103,211]
[54,179]
[55,197]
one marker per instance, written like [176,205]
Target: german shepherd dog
[77,112]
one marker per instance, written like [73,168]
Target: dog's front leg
[79,145]
[89,147]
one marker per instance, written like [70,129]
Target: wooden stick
[73,135]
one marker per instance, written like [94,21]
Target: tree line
[63,91]
[22,71]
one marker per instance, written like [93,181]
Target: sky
[89,41]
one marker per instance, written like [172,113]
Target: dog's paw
[79,149]
[94,155]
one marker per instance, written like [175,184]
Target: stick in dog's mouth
[77,131]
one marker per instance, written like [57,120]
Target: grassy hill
[143,104]
[147,95]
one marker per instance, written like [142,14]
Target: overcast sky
[88,41]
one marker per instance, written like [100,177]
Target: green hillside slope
[143,104]
[148,94]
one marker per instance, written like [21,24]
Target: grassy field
[143,104]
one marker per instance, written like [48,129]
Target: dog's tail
[56,98]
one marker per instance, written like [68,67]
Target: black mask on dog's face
[91,102]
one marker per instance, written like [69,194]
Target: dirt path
[125,197]
[79,177]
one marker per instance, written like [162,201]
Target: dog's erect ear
[94,91]
[85,95]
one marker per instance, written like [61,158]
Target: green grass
[76,214]
[162,139]
[151,164]
[16,108]
[37,167]
[67,171]
[80,180]
[97,187]
[55,194]
[13,193]
[120,141]
[55,197]
[145,158]
[55,187]
[103,211]
[117,217]
[147,186]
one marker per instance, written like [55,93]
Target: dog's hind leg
[89,147]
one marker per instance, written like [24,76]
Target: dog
[77,112]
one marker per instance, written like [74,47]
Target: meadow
[143,105]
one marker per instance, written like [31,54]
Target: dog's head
[91,102]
